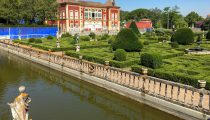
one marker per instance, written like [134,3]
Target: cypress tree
[134,28]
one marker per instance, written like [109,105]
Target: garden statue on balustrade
[20,106]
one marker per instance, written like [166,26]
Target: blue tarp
[28,32]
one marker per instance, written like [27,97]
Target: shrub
[111,40]
[31,40]
[92,35]
[105,37]
[184,36]
[146,43]
[120,55]
[127,40]
[208,35]
[49,37]
[174,45]
[134,28]
[85,38]
[172,38]
[38,41]
[151,60]
[66,35]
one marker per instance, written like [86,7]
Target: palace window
[76,14]
[104,17]
[112,16]
[116,17]
[71,14]
[63,14]
[86,14]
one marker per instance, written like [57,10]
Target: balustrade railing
[188,96]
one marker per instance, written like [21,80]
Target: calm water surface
[56,96]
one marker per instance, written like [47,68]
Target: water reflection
[56,96]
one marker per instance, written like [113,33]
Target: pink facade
[79,16]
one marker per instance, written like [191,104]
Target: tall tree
[192,18]
[134,28]
[14,11]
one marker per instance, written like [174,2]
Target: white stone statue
[20,105]
[77,48]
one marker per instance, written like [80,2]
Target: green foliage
[31,40]
[85,38]
[146,43]
[172,38]
[174,45]
[184,36]
[120,55]
[127,40]
[92,35]
[152,60]
[119,64]
[64,35]
[28,10]
[208,35]
[38,41]
[192,18]
[170,76]
[134,28]
[104,37]
[49,37]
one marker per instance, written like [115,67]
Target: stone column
[107,68]
[202,85]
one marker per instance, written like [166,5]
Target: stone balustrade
[184,95]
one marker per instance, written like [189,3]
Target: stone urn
[80,57]
[107,63]
[144,71]
[201,84]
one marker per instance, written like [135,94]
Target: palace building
[76,16]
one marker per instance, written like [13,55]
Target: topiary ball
[184,36]
[127,40]
[120,55]
[152,60]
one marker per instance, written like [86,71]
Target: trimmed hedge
[120,55]
[31,39]
[146,43]
[171,76]
[100,60]
[174,45]
[184,36]
[208,35]
[127,40]
[152,60]
[38,41]
[49,37]
[64,35]
[85,38]
[92,35]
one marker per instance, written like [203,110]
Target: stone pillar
[80,60]
[202,85]
[107,68]
[49,54]
[144,72]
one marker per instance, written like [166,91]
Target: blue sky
[200,6]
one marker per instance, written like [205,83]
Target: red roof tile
[141,24]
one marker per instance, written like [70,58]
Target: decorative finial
[22,89]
